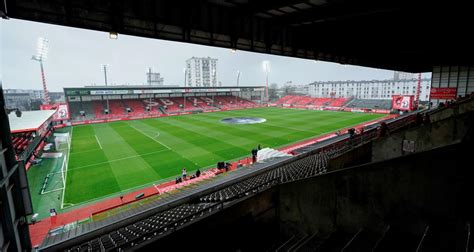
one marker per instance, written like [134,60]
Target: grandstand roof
[140,89]
[157,87]
[29,120]
[404,35]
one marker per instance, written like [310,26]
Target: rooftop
[29,120]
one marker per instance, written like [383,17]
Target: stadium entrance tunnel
[243,120]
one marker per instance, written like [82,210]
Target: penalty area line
[96,138]
[152,138]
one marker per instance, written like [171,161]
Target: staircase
[163,110]
[267,153]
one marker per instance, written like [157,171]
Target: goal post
[62,141]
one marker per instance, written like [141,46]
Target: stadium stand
[370,104]
[116,108]
[295,100]
[21,141]
[138,107]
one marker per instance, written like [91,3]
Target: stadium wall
[407,192]
[357,156]
[446,127]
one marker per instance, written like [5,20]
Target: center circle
[243,120]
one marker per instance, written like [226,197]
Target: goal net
[62,141]
[56,179]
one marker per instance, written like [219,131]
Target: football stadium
[344,165]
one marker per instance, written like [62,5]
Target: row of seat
[141,231]
[302,168]
[138,107]
[297,100]
[370,104]
[21,141]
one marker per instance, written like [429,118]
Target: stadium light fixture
[113,35]
[266,66]
[40,56]
[17,111]
[41,49]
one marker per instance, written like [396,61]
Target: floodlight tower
[238,77]
[266,69]
[41,54]
[104,69]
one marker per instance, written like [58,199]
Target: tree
[288,90]
[273,92]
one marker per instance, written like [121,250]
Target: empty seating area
[303,168]
[222,102]
[141,231]
[116,108]
[98,109]
[168,220]
[370,104]
[296,100]
[166,105]
[21,141]
[137,107]
[338,102]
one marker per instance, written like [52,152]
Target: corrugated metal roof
[29,120]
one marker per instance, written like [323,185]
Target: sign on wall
[62,110]
[443,93]
[402,102]
[408,145]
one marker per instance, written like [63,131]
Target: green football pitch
[110,158]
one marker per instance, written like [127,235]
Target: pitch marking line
[66,168]
[139,130]
[98,141]
[79,152]
[119,159]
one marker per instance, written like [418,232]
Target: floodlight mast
[238,77]
[41,54]
[266,68]
[104,69]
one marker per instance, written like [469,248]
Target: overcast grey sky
[75,56]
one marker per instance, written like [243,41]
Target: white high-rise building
[370,89]
[201,72]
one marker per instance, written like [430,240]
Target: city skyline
[75,58]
